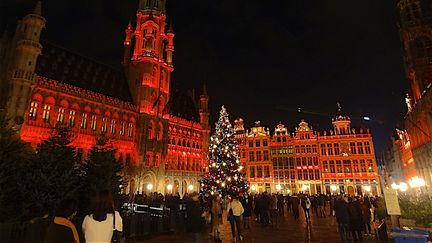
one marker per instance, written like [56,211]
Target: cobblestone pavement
[285,229]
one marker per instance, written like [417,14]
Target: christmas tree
[101,172]
[224,175]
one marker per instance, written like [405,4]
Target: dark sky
[262,59]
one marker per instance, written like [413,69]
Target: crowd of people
[354,215]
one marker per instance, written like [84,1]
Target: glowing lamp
[333,187]
[416,181]
[403,186]
[169,187]
[367,188]
[394,186]
[278,187]
[253,187]
[149,187]
[190,187]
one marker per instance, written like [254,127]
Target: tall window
[370,165]
[259,172]
[60,116]
[156,3]
[72,114]
[339,166]
[362,165]
[314,148]
[33,111]
[315,161]
[266,155]
[332,166]
[252,172]
[308,149]
[258,156]
[265,143]
[347,166]
[113,126]
[251,156]
[250,143]
[104,124]
[356,166]
[93,122]
[360,148]
[257,143]
[84,121]
[309,159]
[130,129]
[325,166]
[367,147]
[46,113]
[123,128]
[299,175]
[302,149]
[267,171]
[353,147]
[336,148]
[323,149]
[329,149]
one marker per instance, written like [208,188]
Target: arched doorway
[176,187]
[184,187]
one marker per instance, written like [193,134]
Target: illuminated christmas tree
[225,173]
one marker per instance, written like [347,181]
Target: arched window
[33,110]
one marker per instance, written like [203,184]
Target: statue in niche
[408,102]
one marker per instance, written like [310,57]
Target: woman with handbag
[235,210]
[104,224]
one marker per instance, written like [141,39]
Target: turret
[27,51]
[127,44]
[341,122]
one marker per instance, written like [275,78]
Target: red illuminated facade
[339,161]
[159,131]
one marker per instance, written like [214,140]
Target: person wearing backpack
[235,210]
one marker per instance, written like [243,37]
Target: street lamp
[416,182]
[169,187]
[278,187]
[253,187]
[149,187]
[333,188]
[403,187]
[190,187]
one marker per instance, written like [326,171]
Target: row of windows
[258,143]
[308,175]
[302,149]
[259,156]
[85,122]
[287,175]
[283,163]
[283,150]
[348,166]
[307,161]
[185,143]
[259,171]
[355,148]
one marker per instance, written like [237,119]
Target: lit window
[266,155]
[353,148]
[130,129]
[367,147]
[46,113]
[33,111]
[93,122]
[104,124]
[336,148]
[84,121]
[72,118]
[123,128]
[360,148]
[112,127]
[265,142]
[60,116]
[251,156]
[258,156]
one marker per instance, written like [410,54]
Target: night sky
[261,59]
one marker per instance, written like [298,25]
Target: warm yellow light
[190,187]
[403,186]
[253,187]
[304,187]
[367,188]
[333,187]
[394,186]
[149,187]
[278,187]
[169,187]
[416,181]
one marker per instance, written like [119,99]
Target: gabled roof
[68,67]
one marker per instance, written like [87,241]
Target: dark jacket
[247,206]
[59,233]
[355,216]
[194,221]
[341,211]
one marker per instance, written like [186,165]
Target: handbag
[117,235]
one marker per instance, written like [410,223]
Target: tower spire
[38,8]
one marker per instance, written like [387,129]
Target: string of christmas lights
[225,173]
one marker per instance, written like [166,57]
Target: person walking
[216,211]
[98,226]
[295,203]
[367,216]
[280,204]
[62,229]
[257,207]
[194,217]
[306,204]
[235,210]
[321,206]
[265,209]
[247,206]
[342,218]
[355,219]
